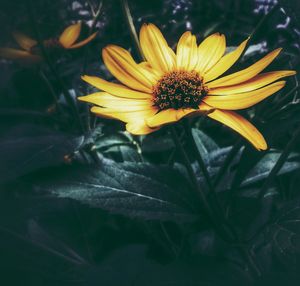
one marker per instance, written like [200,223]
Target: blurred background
[45,240]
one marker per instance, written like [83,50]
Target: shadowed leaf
[132,189]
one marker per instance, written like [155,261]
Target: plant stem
[191,173]
[263,20]
[212,192]
[51,90]
[271,112]
[96,14]
[236,147]
[222,227]
[47,59]
[280,162]
[133,33]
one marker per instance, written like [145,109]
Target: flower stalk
[133,33]
[213,207]
[67,95]
[166,87]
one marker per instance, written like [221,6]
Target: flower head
[169,86]
[30,52]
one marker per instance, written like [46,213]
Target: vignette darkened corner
[135,152]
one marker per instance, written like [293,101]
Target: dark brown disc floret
[179,89]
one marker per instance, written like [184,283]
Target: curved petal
[84,42]
[139,128]
[225,63]
[247,73]
[110,101]
[187,53]
[114,88]
[210,52]
[23,56]
[24,41]
[156,49]
[70,35]
[130,116]
[125,69]
[243,100]
[121,64]
[173,115]
[240,125]
[252,84]
[150,71]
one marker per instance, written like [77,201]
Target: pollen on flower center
[179,89]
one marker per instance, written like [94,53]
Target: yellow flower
[168,86]
[26,55]
[71,34]
[31,53]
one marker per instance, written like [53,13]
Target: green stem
[222,227]
[52,69]
[212,192]
[263,21]
[199,193]
[51,90]
[96,14]
[272,112]
[133,33]
[236,147]
[280,162]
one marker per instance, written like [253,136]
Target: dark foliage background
[96,206]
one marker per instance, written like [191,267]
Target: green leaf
[26,148]
[205,144]
[263,168]
[119,146]
[132,189]
[157,142]
[284,232]
[105,142]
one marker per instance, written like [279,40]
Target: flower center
[179,89]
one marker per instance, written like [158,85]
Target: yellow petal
[156,49]
[225,62]
[130,116]
[210,52]
[121,64]
[139,128]
[172,115]
[150,71]
[70,35]
[243,100]
[247,73]
[162,117]
[22,56]
[187,53]
[240,125]
[24,41]
[110,101]
[114,88]
[84,42]
[252,84]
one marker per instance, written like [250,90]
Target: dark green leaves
[26,148]
[205,144]
[284,232]
[135,190]
[262,169]
[119,146]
